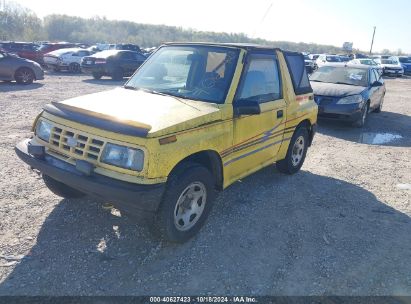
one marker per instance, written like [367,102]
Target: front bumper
[126,196]
[389,72]
[349,112]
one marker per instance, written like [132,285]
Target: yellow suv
[193,119]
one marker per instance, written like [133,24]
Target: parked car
[26,50]
[391,67]
[21,70]
[310,64]
[128,46]
[66,59]
[405,63]
[114,63]
[348,92]
[327,59]
[368,61]
[192,120]
[49,47]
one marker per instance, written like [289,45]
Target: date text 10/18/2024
[206,299]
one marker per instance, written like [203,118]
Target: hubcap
[25,76]
[190,205]
[298,151]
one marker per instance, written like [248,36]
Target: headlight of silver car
[43,130]
[123,157]
[350,99]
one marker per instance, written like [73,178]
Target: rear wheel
[296,152]
[186,203]
[97,75]
[61,189]
[24,76]
[379,109]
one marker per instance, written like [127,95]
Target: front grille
[75,144]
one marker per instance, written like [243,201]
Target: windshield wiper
[167,94]
[128,87]
[339,82]
[316,80]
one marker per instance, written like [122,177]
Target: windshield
[333,59]
[341,75]
[388,61]
[368,62]
[193,72]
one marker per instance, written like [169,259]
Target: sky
[318,21]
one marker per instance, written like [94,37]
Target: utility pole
[372,41]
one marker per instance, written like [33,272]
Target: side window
[377,75]
[373,78]
[261,79]
[126,56]
[299,77]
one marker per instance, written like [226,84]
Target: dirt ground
[341,226]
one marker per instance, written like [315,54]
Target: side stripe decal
[255,151]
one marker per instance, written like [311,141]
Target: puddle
[373,138]
[404,186]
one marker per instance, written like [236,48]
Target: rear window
[299,77]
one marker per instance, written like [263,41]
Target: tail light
[100,61]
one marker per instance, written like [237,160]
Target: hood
[386,65]
[336,90]
[156,115]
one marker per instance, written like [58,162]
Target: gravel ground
[340,226]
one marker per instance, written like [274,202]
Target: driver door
[257,138]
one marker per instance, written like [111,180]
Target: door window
[261,80]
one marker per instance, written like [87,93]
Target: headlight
[124,157]
[350,99]
[43,130]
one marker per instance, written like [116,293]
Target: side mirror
[247,107]
[377,84]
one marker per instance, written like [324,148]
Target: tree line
[20,24]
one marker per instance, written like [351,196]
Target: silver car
[21,70]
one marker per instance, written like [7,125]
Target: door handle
[280,113]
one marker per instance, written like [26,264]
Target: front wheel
[74,67]
[363,119]
[117,74]
[186,203]
[97,75]
[61,189]
[296,152]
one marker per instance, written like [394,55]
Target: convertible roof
[248,46]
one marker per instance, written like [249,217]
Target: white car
[368,61]
[327,59]
[392,67]
[66,59]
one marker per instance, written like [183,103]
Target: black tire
[364,114]
[186,178]
[74,67]
[117,74]
[297,149]
[379,109]
[24,76]
[97,75]
[61,189]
